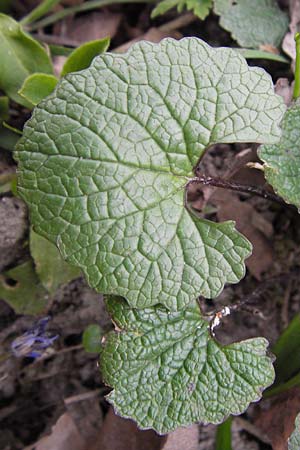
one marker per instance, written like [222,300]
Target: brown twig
[216,317]
[238,187]
[252,429]
[179,22]
[55,39]
[285,305]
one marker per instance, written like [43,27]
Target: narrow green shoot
[43,8]
[223,437]
[296,92]
[59,15]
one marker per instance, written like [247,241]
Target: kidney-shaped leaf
[253,23]
[167,371]
[282,160]
[104,162]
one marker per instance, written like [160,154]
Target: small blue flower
[33,342]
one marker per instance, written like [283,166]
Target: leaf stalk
[296,93]
[238,187]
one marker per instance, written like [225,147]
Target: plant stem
[296,92]
[42,9]
[244,304]
[249,53]
[78,8]
[238,187]
[295,381]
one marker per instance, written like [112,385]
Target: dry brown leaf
[85,411]
[96,25]
[123,434]
[251,224]
[229,207]
[285,89]
[58,64]
[288,44]
[153,35]
[183,439]
[269,48]
[64,436]
[278,421]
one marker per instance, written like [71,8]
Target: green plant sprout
[296,93]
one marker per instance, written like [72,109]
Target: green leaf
[7,181]
[163,7]
[104,162]
[20,55]
[200,8]
[8,138]
[282,160]
[38,86]
[294,440]
[21,289]
[250,53]
[91,339]
[60,50]
[52,270]
[167,371]
[82,57]
[223,435]
[5,6]
[253,23]
[43,8]
[287,352]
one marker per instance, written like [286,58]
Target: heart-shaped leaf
[104,162]
[253,23]
[282,160]
[37,86]
[22,290]
[167,371]
[51,269]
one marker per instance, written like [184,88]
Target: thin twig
[179,22]
[252,429]
[56,40]
[285,305]
[238,187]
[216,316]
[87,6]
[168,27]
